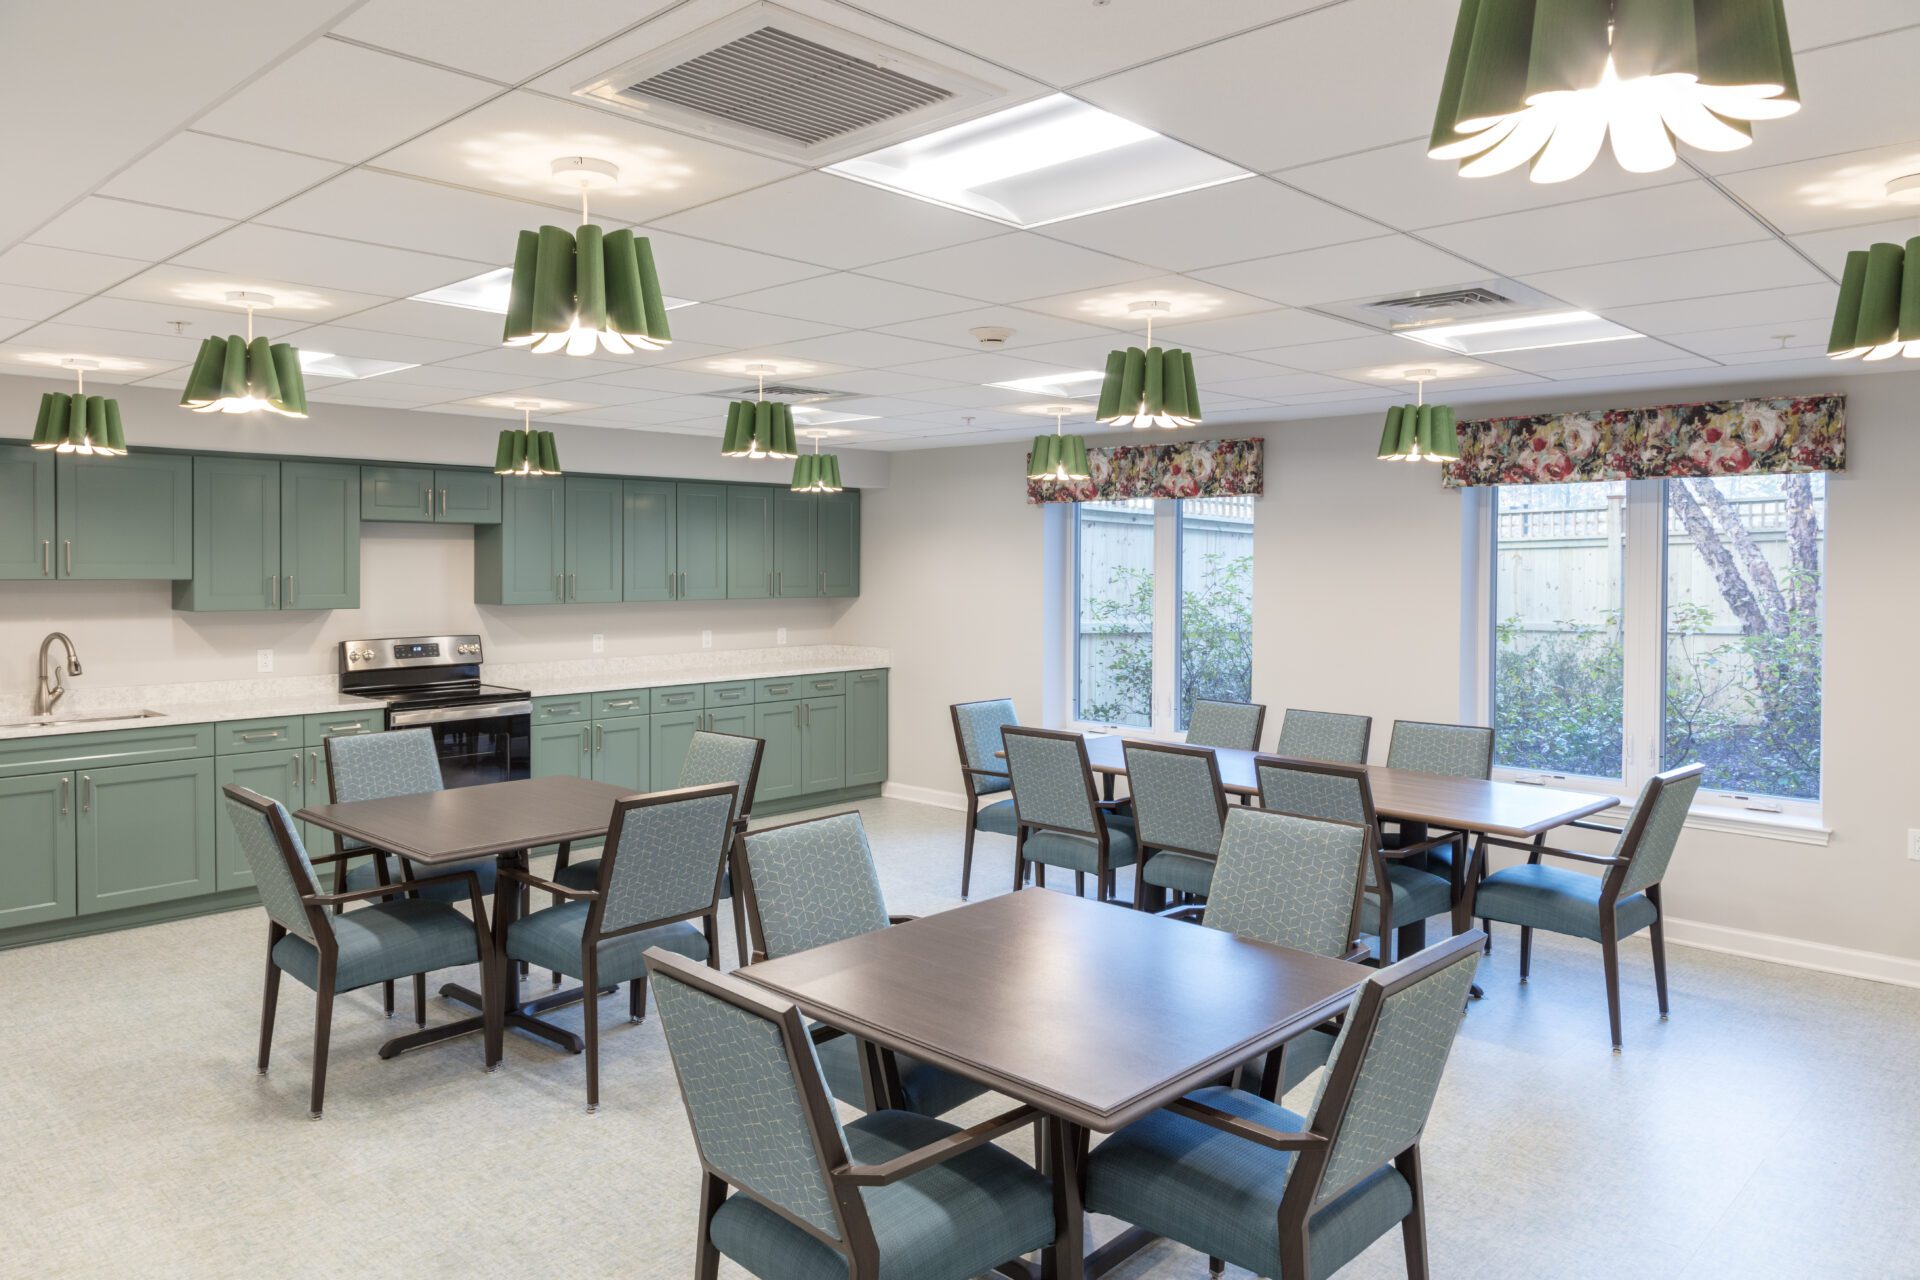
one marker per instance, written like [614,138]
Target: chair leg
[1413,1227]
[322,1029]
[1079,884]
[706,1258]
[590,1029]
[1610,958]
[420,999]
[1526,950]
[1217,1266]
[1658,937]
[637,1000]
[386,997]
[966,856]
[742,943]
[269,1001]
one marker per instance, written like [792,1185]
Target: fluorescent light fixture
[808,416]
[324,364]
[488,292]
[1043,161]
[1520,333]
[1056,386]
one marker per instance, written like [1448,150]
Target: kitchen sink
[52,721]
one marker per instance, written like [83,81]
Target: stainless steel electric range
[481,732]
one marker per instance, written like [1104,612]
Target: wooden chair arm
[1357,952]
[395,889]
[820,1033]
[548,886]
[879,1175]
[1587,824]
[1227,1122]
[1600,859]
[1409,850]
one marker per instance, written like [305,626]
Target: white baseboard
[923,795]
[1799,953]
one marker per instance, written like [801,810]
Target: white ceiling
[400,146]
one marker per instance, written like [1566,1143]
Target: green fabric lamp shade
[816,473]
[1878,315]
[1420,433]
[586,291]
[1058,458]
[235,375]
[525,452]
[1547,82]
[1149,388]
[79,424]
[759,429]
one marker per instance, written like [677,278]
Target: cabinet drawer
[678,697]
[824,686]
[96,750]
[734,693]
[559,710]
[272,733]
[623,702]
[340,724]
[785,689]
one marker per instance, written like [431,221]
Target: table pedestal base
[521,1017]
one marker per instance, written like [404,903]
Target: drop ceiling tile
[293,304]
[204,174]
[733,364]
[500,39]
[134,315]
[83,340]
[984,367]
[531,368]
[857,349]
[1278,327]
[1787,338]
[508,146]
[1188,300]
[1338,273]
[327,263]
[40,267]
[880,382]
[676,381]
[1456,376]
[1844,105]
[1814,355]
[407,213]
[132,230]
[1381,349]
[1639,224]
[588,391]
[850,301]
[18,302]
[1825,22]
[1632,376]
[730,327]
[18,358]
[369,344]
[462,382]
[1293,91]
[379,393]
[1846,190]
[1008,268]
[1091,352]
[1829,249]
[834,221]
[1274,386]
[431,320]
[341,102]
[964,397]
[1762,264]
[1760,306]
[702,271]
[1628,353]
[1252,218]
[1030,328]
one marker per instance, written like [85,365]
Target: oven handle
[450,715]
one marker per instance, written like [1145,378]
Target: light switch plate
[706,639]
[599,643]
[780,636]
[263,659]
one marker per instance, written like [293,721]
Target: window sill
[1790,828]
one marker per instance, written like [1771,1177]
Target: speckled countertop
[599,675]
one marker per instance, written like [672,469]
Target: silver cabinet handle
[683,586]
[86,793]
[823,582]
[313,768]
[260,734]
[573,586]
[68,544]
[443,502]
[586,739]
[823,684]
[426,499]
[46,557]
[342,728]
[560,586]
[866,678]
[295,765]
[599,738]
[66,795]
[673,585]
[769,582]
[675,697]
[779,583]
[622,704]
[274,585]
[289,591]
[779,688]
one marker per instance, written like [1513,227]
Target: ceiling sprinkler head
[991,335]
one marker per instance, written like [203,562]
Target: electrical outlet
[780,636]
[1913,844]
[263,659]
[599,643]
[706,639]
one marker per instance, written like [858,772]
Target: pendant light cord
[583,204]
[80,381]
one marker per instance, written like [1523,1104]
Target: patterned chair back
[1325,735]
[373,766]
[1315,789]
[976,727]
[1292,882]
[811,883]
[1456,750]
[281,871]
[662,857]
[751,1084]
[1052,783]
[1226,724]
[724,757]
[1651,834]
[1177,800]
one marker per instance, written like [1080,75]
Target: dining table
[1092,1014]
[502,820]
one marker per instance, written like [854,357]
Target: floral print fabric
[1192,469]
[1726,438]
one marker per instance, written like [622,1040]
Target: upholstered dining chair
[1226,724]
[659,872]
[788,1192]
[1605,908]
[810,883]
[1061,822]
[1455,750]
[1324,735]
[976,730]
[1178,808]
[412,929]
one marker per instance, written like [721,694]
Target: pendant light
[1878,315]
[1058,458]
[1420,432]
[1548,81]
[816,472]
[759,428]
[587,291]
[1150,388]
[88,426]
[243,375]
[526,452]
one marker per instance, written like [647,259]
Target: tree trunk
[1733,588]
[1803,539]
[1765,585]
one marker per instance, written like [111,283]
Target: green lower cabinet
[278,775]
[145,834]
[26,515]
[730,720]
[866,728]
[749,542]
[36,857]
[595,546]
[672,737]
[623,752]
[562,750]
[131,518]
[780,772]
[823,744]
[319,536]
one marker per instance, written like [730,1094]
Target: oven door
[481,742]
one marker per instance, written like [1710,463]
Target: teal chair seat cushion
[1556,898]
[1082,853]
[1181,872]
[1220,1195]
[997,817]
[930,1090]
[550,939]
[484,869]
[1417,894]
[955,1220]
[387,940]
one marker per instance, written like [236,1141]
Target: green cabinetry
[272,535]
[522,560]
[128,518]
[839,543]
[749,542]
[279,775]
[319,536]
[796,551]
[36,857]
[26,517]
[650,526]
[866,728]
[623,752]
[780,771]
[563,750]
[424,495]
[823,744]
[701,541]
[595,548]
[145,834]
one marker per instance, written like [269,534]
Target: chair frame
[844,1179]
[320,907]
[968,776]
[592,934]
[1259,721]
[1458,866]
[1148,897]
[1610,892]
[1104,886]
[1366,734]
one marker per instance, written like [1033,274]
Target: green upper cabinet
[650,526]
[26,514]
[522,560]
[595,547]
[701,541]
[422,495]
[796,533]
[749,542]
[319,536]
[236,536]
[467,497]
[839,543]
[121,518]
[866,728]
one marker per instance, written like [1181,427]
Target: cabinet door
[796,533]
[26,516]
[278,775]
[319,536]
[623,752]
[396,493]
[840,543]
[146,834]
[701,540]
[672,738]
[731,720]
[650,525]
[236,536]
[522,559]
[594,543]
[823,744]
[866,728]
[749,542]
[562,750]
[128,517]
[467,497]
[779,724]
[36,858]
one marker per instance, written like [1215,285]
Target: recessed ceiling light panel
[489,291]
[1520,333]
[324,364]
[1057,386]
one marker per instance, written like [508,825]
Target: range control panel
[409,651]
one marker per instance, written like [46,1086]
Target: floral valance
[1193,469]
[1722,438]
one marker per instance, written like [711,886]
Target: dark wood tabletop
[1091,1012]
[461,823]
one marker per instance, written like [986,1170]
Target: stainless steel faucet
[51,690]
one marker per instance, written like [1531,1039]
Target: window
[1163,608]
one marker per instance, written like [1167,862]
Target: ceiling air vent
[1422,308]
[785,393]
